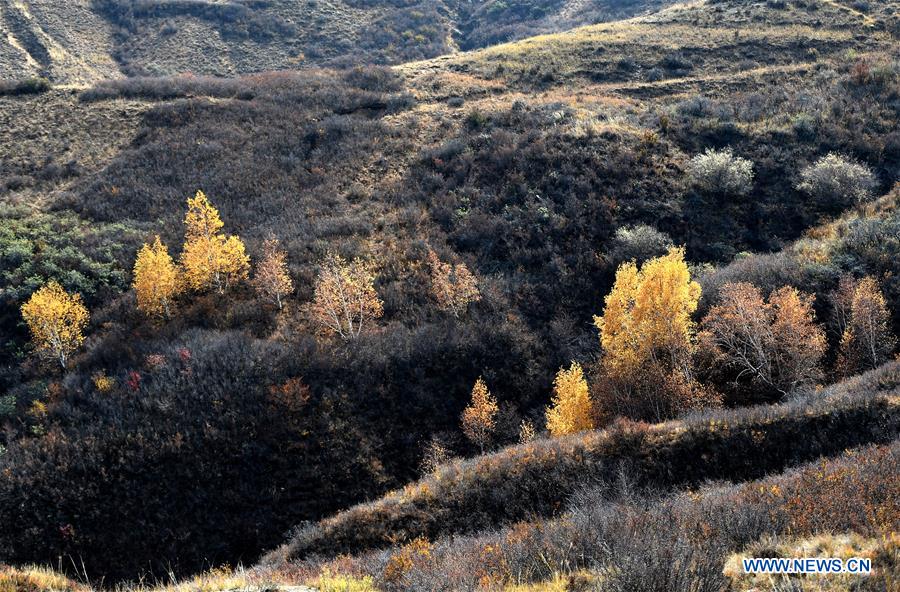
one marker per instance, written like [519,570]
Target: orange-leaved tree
[157,279]
[56,320]
[646,334]
[345,301]
[866,339]
[479,418]
[271,279]
[452,285]
[572,410]
[210,259]
[770,348]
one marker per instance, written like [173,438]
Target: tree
[646,336]
[452,285]
[648,314]
[479,418]
[56,320]
[838,181]
[720,171]
[771,347]
[866,340]
[345,300]
[271,279]
[156,279]
[210,259]
[572,410]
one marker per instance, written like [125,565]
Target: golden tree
[770,347]
[56,320]
[210,259]
[452,285]
[867,341]
[648,314]
[345,300]
[572,410]
[271,279]
[156,279]
[646,334]
[479,418]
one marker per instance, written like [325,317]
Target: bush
[29,86]
[638,243]
[721,172]
[838,182]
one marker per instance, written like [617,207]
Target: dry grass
[36,579]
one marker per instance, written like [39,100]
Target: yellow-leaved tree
[345,301]
[866,340]
[452,285]
[56,320]
[479,418]
[157,280]
[572,410]
[210,259]
[646,333]
[271,279]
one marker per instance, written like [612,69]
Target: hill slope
[529,162]
[85,40]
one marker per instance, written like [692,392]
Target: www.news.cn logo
[808,565]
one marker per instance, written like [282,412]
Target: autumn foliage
[452,285]
[646,334]
[866,338]
[271,279]
[211,260]
[772,347]
[479,418]
[56,320]
[345,301]
[157,280]
[572,410]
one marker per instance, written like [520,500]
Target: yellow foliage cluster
[271,279]
[572,410]
[209,258]
[453,286]
[345,300]
[403,560]
[866,337]
[156,279]
[479,418]
[648,314]
[56,320]
[102,382]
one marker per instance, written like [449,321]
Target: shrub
[29,86]
[838,181]
[721,172]
[638,243]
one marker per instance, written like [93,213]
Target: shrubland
[613,537]
[480,209]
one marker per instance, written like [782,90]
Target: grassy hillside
[614,538]
[542,165]
[87,40]
[537,479]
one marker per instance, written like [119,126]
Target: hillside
[88,40]
[534,170]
